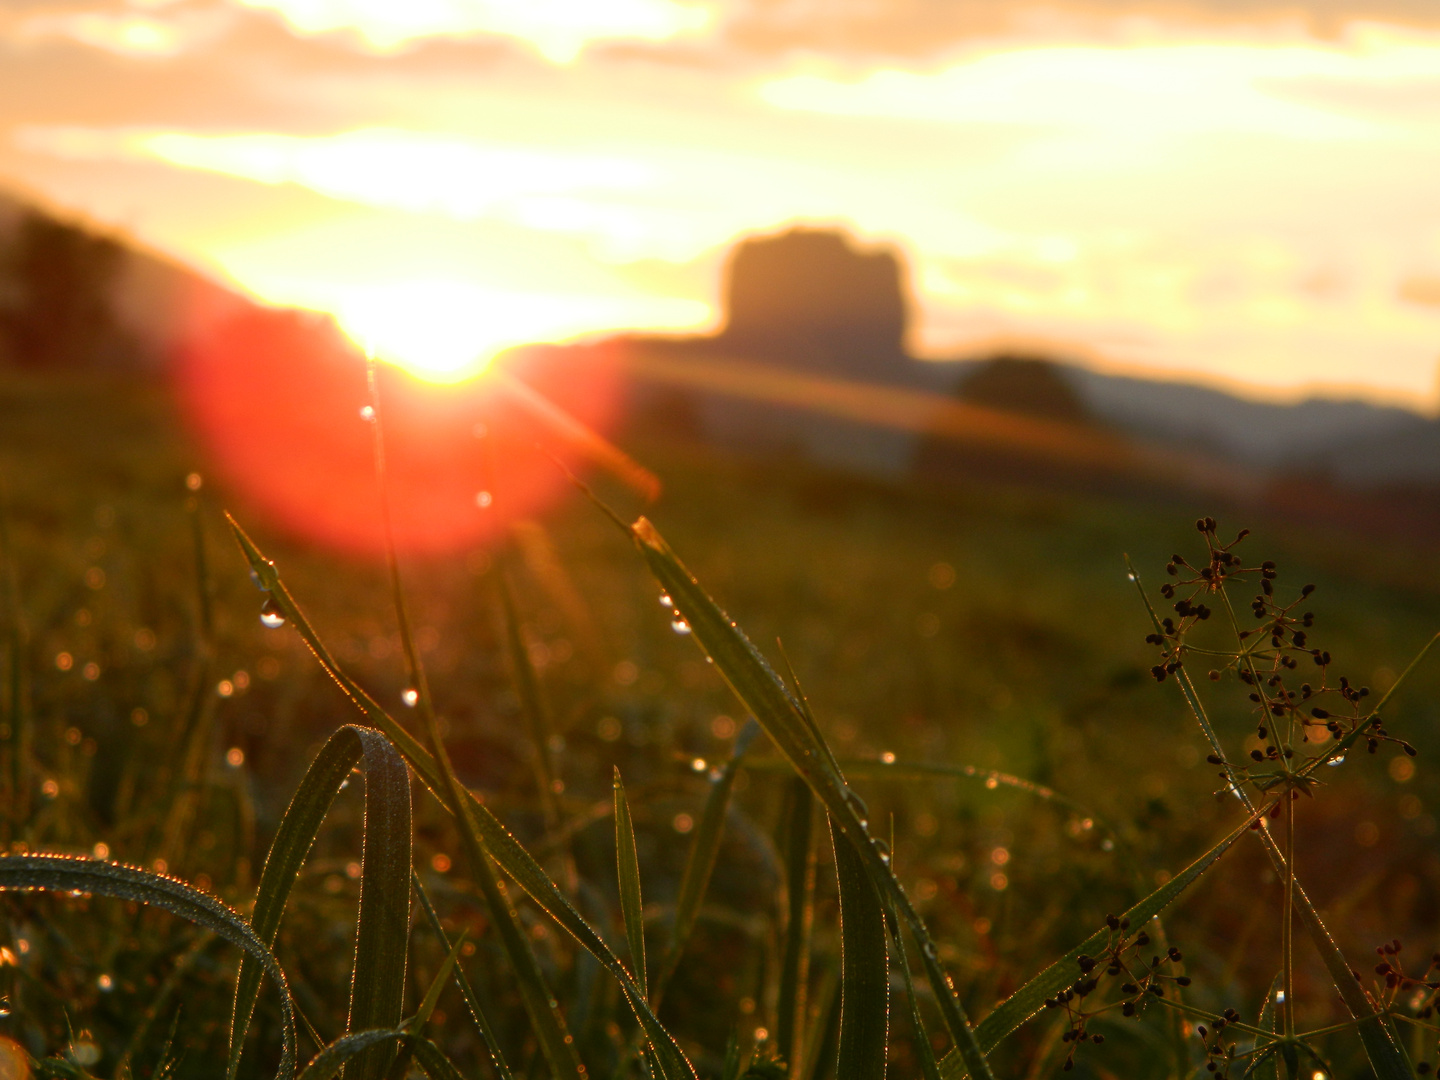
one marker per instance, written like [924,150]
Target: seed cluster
[1121,961]
[1268,658]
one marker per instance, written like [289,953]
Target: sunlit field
[975,658]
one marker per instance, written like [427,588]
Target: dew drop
[367,413]
[105,983]
[1336,761]
[270,614]
[255,580]
[887,758]
[991,783]
[1279,997]
[1131,575]
[410,697]
[679,625]
[484,500]
[1107,844]
[666,602]
[698,765]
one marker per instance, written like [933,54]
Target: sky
[1229,191]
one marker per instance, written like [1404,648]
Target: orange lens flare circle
[279,400]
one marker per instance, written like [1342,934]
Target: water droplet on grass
[679,625]
[887,758]
[1336,761]
[271,616]
[666,602]
[698,765]
[367,413]
[410,697]
[484,500]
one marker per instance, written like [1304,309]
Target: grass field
[942,638]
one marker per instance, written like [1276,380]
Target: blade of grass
[400,1066]
[628,872]
[437,984]
[19,723]
[189,764]
[540,1002]
[382,936]
[929,1067]
[798,853]
[387,813]
[472,1002]
[1382,1046]
[1268,1068]
[700,862]
[784,720]
[537,716]
[864,968]
[67,874]
[468,810]
[352,1047]
[1030,998]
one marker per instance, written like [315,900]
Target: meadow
[965,686]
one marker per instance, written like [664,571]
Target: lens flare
[277,398]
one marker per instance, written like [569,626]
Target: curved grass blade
[377,983]
[864,968]
[482,1022]
[628,872]
[1030,998]
[64,873]
[350,1048]
[755,683]
[700,863]
[799,858]
[382,936]
[475,820]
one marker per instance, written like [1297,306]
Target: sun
[443,330]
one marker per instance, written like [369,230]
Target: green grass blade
[382,937]
[1030,998]
[64,874]
[18,719]
[437,984]
[387,804]
[782,716]
[929,1067]
[798,853]
[628,872]
[700,862]
[1269,1068]
[864,968]
[475,819]
[472,1002]
[527,688]
[329,1061]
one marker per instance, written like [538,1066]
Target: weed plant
[358,872]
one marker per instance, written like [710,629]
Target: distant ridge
[816,301]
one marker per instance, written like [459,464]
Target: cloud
[559,29]
[395,169]
[1424,291]
[1161,91]
[860,31]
